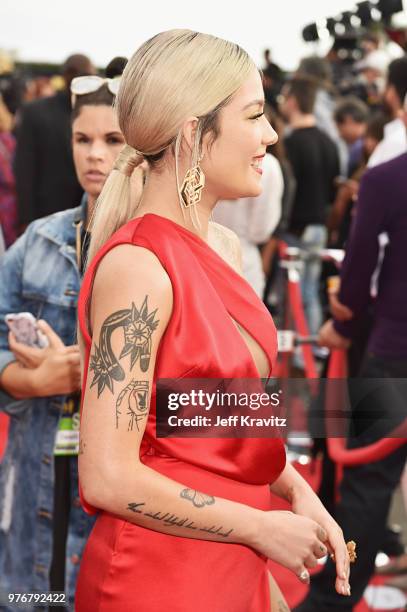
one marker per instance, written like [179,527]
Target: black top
[315,163]
[45,175]
[381,207]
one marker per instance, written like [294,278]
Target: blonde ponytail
[115,205]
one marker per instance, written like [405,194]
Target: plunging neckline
[234,321]
[236,324]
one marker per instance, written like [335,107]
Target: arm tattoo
[138,326]
[135,398]
[198,499]
[82,445]
[172,520]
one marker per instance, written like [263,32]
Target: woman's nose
[96,151]
[270,136]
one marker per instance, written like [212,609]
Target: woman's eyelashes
[115,140]
[257,116]
[81,139]
[110,140]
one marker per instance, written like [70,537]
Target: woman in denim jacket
[43,528]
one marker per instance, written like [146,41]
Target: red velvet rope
[367,454]
[300,323]
[337,369]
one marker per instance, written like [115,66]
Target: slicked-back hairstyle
[174,75]
[100,97]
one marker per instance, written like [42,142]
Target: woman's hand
[306,504]
[59,373]
[296,542]
[30,356]
[55,370]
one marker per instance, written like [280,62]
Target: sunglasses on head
[83,85]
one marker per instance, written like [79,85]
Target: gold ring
[351,546]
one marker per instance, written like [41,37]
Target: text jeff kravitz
[230,421]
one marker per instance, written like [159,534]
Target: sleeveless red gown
[127,568]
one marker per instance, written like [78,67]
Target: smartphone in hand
[25,329]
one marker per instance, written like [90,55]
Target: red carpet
[3,432]
[292,588]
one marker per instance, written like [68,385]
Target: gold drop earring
[191,190]
[194,181]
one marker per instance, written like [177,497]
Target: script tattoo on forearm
[82,445]
[198,499]
[172,520]
[135,397]
[138,327]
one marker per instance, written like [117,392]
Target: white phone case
[24,327]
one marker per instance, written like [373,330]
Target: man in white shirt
[394,142]
[254,220]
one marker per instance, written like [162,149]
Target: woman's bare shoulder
[128,274]
[128,263]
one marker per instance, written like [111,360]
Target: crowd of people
[334,175]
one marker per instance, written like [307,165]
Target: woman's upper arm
[130,309]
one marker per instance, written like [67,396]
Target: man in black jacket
[366,490]
[45,175]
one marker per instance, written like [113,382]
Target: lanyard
[78,242]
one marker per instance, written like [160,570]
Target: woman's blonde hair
[172,76]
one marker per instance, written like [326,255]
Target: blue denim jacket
[38,274]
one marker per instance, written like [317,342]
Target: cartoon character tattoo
[135,395]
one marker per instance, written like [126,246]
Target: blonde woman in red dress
[184,525]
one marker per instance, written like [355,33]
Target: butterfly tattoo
[198,499]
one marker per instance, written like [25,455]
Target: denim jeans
[313,237]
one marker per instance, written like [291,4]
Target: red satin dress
[127,568]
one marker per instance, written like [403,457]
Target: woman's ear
[188,134]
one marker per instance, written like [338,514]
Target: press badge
[67,436]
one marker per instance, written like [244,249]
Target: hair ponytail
[118,201]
